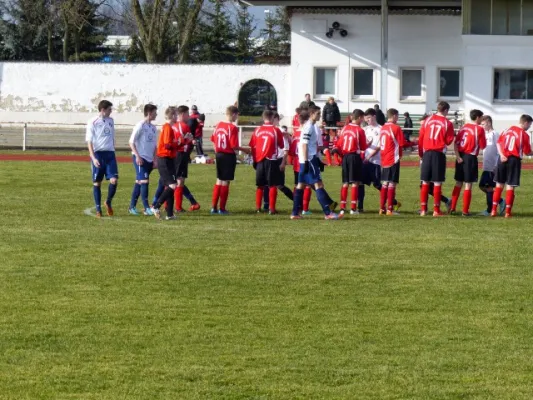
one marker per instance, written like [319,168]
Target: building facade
[471,53]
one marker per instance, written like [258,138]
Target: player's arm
[456,147]
[304,140]
[527,144]
[500,149]
[134,136]
[482,139]
[421,134]
[363,145]
[234,142]
[450,134]
[89,139]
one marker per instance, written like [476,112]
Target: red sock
[467,198]
[224,193]
[344,196]
[307,198]
[437,195]
[216,195]
[337,159]
[509,200]
[178,197]
[258,198]
[327,153]
[390,197]
[355,192]
[455,196]
[424,194]
[496,199]
[272,197]
[383,197]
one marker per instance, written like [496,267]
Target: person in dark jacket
[307,103]
[380,117]
[330,113]
[193,124]
[407,126]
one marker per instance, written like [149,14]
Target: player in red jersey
[264,145]
[435,135]
[391,141]
[296,119]
[167,146]
[225,140]
[182,130]
[351,144]
[468,142]
[293,152]
[512,145]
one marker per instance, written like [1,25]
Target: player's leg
[111,174]
[159,190]
[512,182]
[509,200]
[216,195]
[224,193]
[98,174]
[308,191]
[167,171]
[391,192]
[467,199]
[274,180]
[383,197]
[353,198]
[178,195]
[260,182]
[344,196]
[459,177]
[266,198]
[327,154]
[136,192]
[146,170]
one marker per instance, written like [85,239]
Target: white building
[471,53]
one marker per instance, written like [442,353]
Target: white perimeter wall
[69,93]
[430,42]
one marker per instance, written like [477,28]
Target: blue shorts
[142,172]
[487,180]
[371,174]
[313,176]
[108,166]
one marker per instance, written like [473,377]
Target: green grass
[257,307]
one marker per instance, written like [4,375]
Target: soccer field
[255,306]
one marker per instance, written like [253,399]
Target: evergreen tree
[276,37]
[244,29]
[216,37]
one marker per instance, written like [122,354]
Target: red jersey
[391,142]
[436,133]
[265,142]
[352,139]
[168,143]
[514,142]
[180,130]
[293,152]
[471,139]
[225,138]
[295,121]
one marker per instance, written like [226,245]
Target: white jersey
[101,133]
[286,145]
[144,136]
[490,153]
[309,137]
[372,134]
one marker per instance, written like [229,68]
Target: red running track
[126,159]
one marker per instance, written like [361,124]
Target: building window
[411,80]
[513,84]
[325,82]
[450,83]
[501,17]
[363,83]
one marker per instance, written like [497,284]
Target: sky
[259,14]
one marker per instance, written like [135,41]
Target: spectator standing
[407,126]
[331,114]
[380,117]
[307,103]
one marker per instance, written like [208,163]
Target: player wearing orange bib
[468,142]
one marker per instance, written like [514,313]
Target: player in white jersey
[310,165]
[490,160]
[371,171]
[100,138]
[143,143]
